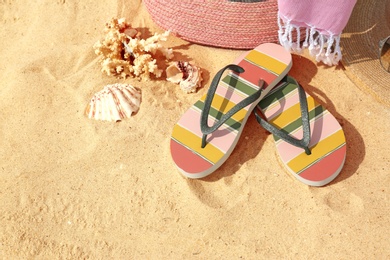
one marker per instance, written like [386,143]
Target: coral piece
[114,103]
[188,76]
[123,53]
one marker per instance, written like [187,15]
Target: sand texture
[76,188]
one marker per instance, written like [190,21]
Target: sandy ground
[75,188]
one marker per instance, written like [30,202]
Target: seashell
[187,75]
[114,103]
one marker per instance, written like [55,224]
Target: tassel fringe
[325,48]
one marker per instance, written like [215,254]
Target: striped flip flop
[207,133]
[309,140]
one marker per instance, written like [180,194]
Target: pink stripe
[320,129]
[275,51]
[230,95]
[222,138]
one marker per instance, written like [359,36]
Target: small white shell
[187,75]
[114,103]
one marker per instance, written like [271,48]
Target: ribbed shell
[114,103]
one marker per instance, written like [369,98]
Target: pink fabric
[323,20]
[329,16]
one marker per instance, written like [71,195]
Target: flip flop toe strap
[205,128]
[302,143]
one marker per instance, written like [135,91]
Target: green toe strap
[209,98]
[302,143]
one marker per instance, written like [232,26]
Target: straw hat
[238,24]
[369,23]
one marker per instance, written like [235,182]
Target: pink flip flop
[308,138]
[197,148]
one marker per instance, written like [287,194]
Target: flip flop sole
[328,147]
[268,62]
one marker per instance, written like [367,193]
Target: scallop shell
[187,75]
[114,103]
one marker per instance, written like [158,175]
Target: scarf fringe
[325,48]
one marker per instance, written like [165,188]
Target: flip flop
[309,140]
[198,149]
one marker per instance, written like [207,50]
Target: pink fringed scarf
[322,22]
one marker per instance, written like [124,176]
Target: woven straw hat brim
[368,24]
[219,23]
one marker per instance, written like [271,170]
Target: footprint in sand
[219,195]
[343,202]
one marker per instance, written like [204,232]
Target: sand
[76,188]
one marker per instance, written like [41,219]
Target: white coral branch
[123,53]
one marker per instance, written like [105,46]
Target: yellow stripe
[266,62]
[194,142]
[324,147]
[224,105]
[292,113]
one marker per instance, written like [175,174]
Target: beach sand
[76,188]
